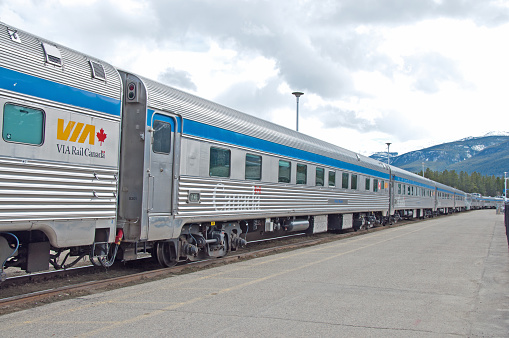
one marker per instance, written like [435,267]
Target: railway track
[98,279]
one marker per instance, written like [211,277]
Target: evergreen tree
[474,183]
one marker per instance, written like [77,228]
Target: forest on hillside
[473,183]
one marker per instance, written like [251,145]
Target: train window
[23,124]
[344,183]
[302,174]
[332,178]
[353,182]
[382,185]
[408,193]
[320,177]
[375,185]
[253,167]
[219,162]
[399,188]
[162,137]
[284,171]
[366,186]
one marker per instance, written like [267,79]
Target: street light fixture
[297,95]
[388,154]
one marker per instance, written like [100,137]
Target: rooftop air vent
[52,54]
[14,35]
[97,70]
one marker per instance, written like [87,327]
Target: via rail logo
[80,132]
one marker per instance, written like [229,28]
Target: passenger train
[100,162]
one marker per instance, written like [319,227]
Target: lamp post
[505,186]
[388,154]
[297,95]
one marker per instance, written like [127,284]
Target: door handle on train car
[96,195]
[151,187]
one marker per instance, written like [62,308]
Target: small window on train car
[23,124]
[219,162]
[375,185]
[332,178]
[320,177]
[253,167]
[353,182]
[302,174]
[284,171]
[399,188]
[366,186]
[344,180]
[162,137]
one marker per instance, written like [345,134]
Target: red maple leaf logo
[101,136]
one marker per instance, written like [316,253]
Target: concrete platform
[438,278]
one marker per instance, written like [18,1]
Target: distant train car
[444,197]
[105,163]
[414,195]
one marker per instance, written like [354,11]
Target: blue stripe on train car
[409,181]
[53,91]
[222,135]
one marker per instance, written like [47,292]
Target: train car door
[161,164]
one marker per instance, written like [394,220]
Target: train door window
[253,167]
[320,177]
[302,174]
[219,162]
[399,188]
[284,171]
[23,124]
[353,182]
[382,185]
[162,137]
[408,192]
[332,178]
[375,185]
[366,186]
[344,183]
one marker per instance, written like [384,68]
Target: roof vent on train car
[97,70]
[14,35]
[52,54]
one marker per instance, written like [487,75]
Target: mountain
[487,155]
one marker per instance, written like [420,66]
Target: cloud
[258,101]
[177,78]
[430,69]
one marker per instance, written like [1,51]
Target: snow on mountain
[497,133]
[478,147]
[477,153]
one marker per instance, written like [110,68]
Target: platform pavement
[445,277]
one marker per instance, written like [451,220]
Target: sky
[414,73]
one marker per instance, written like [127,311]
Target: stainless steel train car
[100,162]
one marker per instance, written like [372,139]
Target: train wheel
[165,254]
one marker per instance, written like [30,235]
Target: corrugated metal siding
[210,113]
[239,198]
[28,57]
[45,191]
